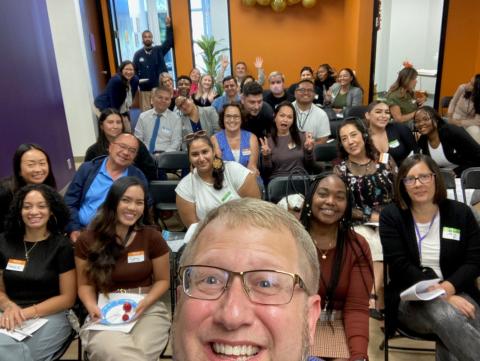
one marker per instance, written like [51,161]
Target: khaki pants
[145,100]
[145,342]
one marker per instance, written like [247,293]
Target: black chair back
[163,192]
[334,124]
[280,187]
[171,162]
[357,111]
[470,179]
[325,152]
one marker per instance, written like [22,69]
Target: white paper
[418,292]
[28,327]
[102,301]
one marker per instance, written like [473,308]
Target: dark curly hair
[105,250]
[18,181]
[14,225]
[358,123]
[221,115]
[217,173]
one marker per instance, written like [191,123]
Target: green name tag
[394,143]
[226,196]
[451,233]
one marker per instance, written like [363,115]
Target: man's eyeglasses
[303,91]
[422,178]
[192,136]
[265,287]
[126,148]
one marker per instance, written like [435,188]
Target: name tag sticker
[246,151]
[451,233]
[166,130]
[383,158]
[394,143]
[17,265]
[136,257]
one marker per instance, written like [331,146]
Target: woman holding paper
[426,236]
[119,254]
[38,275]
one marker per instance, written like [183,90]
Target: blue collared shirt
[219,102]
[96,194]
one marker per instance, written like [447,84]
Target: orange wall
[337,32]
[462,45]
[181,36]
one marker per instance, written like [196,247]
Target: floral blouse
[371,192]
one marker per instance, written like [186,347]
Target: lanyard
[420,237]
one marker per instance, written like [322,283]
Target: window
[130,18]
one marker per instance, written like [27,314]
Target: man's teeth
[245,350]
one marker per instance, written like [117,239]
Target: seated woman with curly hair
[38,273]
[119,253]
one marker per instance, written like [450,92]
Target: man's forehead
[128,139]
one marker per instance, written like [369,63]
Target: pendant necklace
[28,251]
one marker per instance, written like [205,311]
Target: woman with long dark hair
[427,236]
[464,108]
[450,146]
[31,165]
[211,182]
[120,92]
[370,177]
[110,125]
[324,79]
[345,264]
[393,138]
[120,253]
[38,273]
[286,148]
[346,92]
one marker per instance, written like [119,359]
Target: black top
[458,146]
[261,124]
[40,277]
[459,259]
[401,142]
[273,100]
[6,196]
[143,161]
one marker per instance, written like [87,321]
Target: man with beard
[149,63]
[259,114]
[249,281]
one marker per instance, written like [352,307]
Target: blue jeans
[44,343]
[459,335]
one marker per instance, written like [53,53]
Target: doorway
[410,31]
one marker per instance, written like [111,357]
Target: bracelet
[36,315]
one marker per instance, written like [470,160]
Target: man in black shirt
[150,63]
[277,93]
[259,115]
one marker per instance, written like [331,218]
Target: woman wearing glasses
[426,236]
[346,268]
[450,146]
[286,148]
[233,143]
[119,253]
[346,92]
[211,181]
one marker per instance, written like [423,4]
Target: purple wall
[31,109]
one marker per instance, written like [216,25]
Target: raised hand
[224,62]
[309,142]
[264,148]
[168,21]
[259,62]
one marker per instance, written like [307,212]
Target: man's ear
[314,309]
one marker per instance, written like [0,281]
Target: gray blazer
[208,120]
[354,95]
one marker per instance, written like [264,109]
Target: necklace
[302,117]
[28,251]
[359,169]
[324,253]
